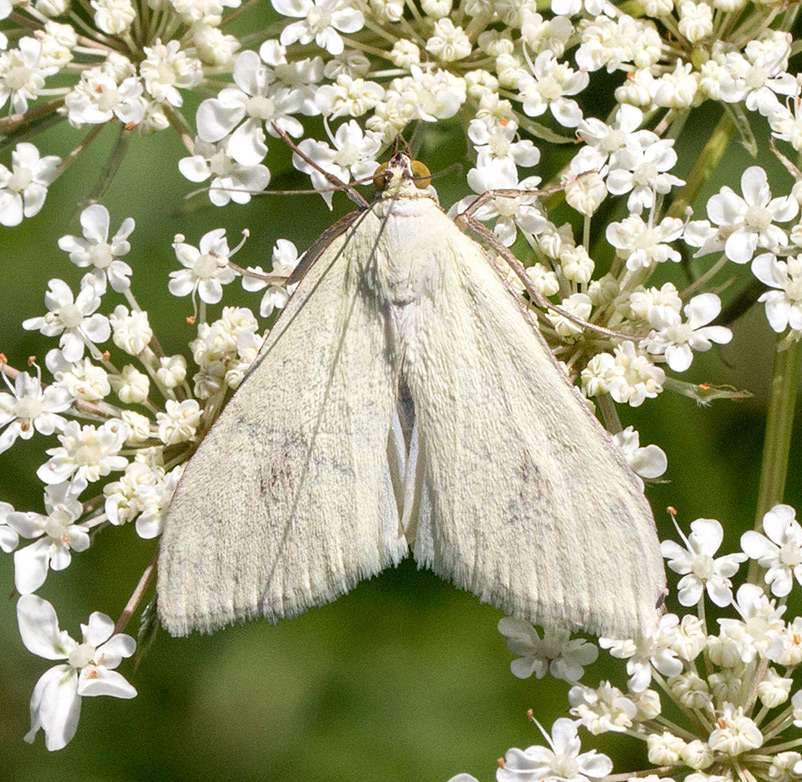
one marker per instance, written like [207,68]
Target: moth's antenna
[336,183]
[400,146]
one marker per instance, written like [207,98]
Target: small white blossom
[213,46]
[735,733]
[86,453]
[585,193]
[100,97]
[23,74]
[785,767]
[82,379]
[246,110]
[353,154]
[543,280]
[774,690]
[130,385]
[130,331]
[58,42]
[641,244]
[549,85]
[556,653]
[577,304]
[172,371]
[723,651]
[73,320]
[29,408]
[285,259]
[691,690]
[509,212]
[404,54]
[448,42]
[138,427]
[113,16]
[648,462]
[231,181]
[180,421]
[786,123]
[646,303]
[696,20]
[758,78]
[348,97]
[156,502]
[664,749]
[88,670]
[94,249]
[626,374]
[206,268]
[643,654]
[783,305]
[641,169]
[779,550]
[698,755]
[601,710]
[748,221]
[143,492]
[498,142]
[23,187]
[561,759]
[676,89]
[166,69]
[759,631]
[697,566]
[56,533]
[575,263]
[677,341]
[603,140]
[727,685]
[322,21]
[690,637]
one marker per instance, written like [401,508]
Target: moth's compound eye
[380,177]
[421,174]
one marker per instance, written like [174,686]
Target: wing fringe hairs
[506,484]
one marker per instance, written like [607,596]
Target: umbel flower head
[736,687]
[119,416]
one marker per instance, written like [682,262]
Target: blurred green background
[404,678]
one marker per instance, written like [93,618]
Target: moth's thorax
[406,247]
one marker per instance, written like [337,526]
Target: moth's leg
[490,239]
[336,183]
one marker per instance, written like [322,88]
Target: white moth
[405,402]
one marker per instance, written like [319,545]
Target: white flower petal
[55,707]
[38,628]
[97,680]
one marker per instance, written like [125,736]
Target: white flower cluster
[737,688]
[127,453]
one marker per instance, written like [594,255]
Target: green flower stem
[612,423]
[706,162]
[779,424]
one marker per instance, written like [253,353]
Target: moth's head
[402,176]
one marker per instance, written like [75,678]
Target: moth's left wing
[288,502]
[525,499]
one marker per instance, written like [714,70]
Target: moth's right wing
[289,501]
[525,499]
